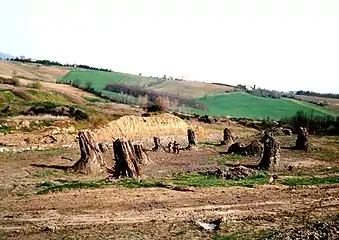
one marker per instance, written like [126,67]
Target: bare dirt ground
[115,212]
[191,89]
[334,103]
[31,71]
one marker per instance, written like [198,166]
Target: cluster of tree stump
[128,157]
[270,156]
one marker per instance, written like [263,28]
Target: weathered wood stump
[271,157]
[191,139]
[157,144]
[228,138]
[128,159]
[302,140]
[91,160]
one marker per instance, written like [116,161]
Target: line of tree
[54,63]
[315,94]
[316,124]
[153,96]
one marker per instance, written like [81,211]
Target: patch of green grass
[254,107]
[310,181]
[199,180]
[6,129]
[132,183]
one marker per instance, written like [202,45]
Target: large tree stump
[271,157]
[91,160]
[302,140]
[128,159]
[191,139]
[157,144]
[228,138]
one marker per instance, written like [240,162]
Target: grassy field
[100,79]
[249,106]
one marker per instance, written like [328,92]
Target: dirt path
[88,208]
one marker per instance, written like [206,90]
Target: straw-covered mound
[143,128]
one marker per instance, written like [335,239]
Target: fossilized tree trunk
[271,156]
[228,138]
[191,139]
[302,140]
[157,144]
[128,159]
[91,159]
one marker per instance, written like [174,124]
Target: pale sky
[275,44]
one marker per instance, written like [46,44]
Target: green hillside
[254,107]
[100,79]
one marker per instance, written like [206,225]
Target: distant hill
[245,105]
[5,55]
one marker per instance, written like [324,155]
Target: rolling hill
[249,106]
[213,96]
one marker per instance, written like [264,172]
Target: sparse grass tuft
[46,173]
[310,181]
[52,187]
